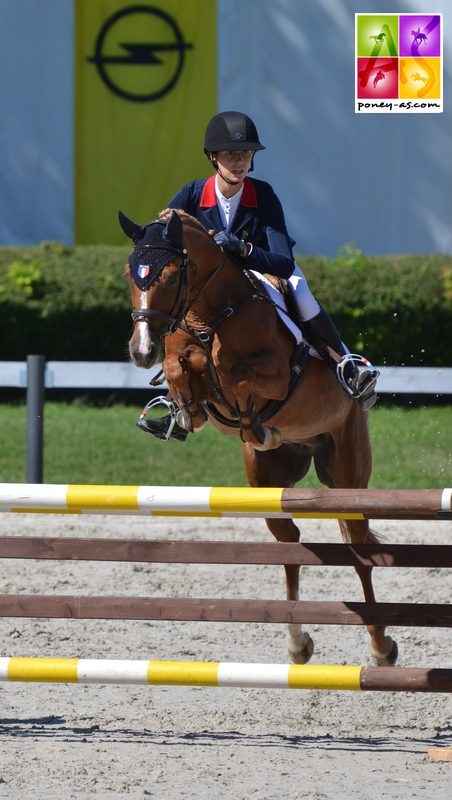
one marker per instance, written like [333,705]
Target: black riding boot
[356,375]
[159,428]
[166,427]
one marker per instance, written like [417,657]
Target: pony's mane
[192,221]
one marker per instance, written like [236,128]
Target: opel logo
[149,44]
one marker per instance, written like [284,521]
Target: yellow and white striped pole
[224,674]
[141,500]
[226,501]
[181,673]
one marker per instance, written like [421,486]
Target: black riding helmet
[231,130]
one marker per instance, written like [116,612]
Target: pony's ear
[174,231]
[130,228]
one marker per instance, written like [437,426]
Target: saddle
[276,291]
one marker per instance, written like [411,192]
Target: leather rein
[177,318]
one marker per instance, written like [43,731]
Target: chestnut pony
[229,359]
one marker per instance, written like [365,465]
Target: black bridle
[176,317]
[145,314]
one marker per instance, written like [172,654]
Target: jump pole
[224,674]
[205,501]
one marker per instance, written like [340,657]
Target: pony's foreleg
[191,416]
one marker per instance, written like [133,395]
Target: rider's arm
[276,255]
[278,260]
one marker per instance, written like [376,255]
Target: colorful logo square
[378,77]
[398,63]
[420,77]
[420,35]
[377,35]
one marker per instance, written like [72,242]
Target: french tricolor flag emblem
[143,271]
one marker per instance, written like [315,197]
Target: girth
[297,367]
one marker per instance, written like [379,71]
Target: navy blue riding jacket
[259,219]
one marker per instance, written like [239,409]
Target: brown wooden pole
[208,552]
[221,610]
[371,503]
[409,679]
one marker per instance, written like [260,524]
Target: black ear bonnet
[155,245]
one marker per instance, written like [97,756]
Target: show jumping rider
[250,224]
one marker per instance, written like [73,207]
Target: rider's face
[234,164]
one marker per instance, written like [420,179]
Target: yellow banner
[146,78]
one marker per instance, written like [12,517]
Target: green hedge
[69,303]
[72,303]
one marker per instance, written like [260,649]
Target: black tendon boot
[355,374]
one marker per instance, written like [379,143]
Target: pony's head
[155,274]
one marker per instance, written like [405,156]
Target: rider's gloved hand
[231,243]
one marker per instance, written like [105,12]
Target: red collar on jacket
[209,197]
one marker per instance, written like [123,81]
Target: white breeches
[306,302]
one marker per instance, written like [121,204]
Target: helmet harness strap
[214,163]
[217,169]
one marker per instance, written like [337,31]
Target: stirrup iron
[356,360]
[166,427]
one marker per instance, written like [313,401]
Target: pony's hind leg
[345,462]
[299,642]
[283,467]
[383,648]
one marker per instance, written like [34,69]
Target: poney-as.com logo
[398,63]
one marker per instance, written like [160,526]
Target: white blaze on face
[142,330]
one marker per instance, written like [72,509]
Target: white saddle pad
[281,307]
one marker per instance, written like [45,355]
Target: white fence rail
[35,376]
[79,375]
[121,375]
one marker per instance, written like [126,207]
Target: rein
[173,319]
[204,337]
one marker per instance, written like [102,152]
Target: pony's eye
[173,280]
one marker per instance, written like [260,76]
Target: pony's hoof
[389,658]
[272,440]
[303,655]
